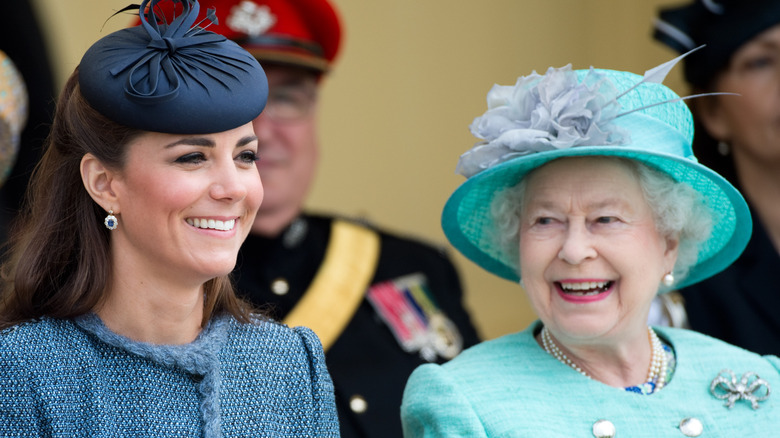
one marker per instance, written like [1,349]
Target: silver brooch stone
[750,387]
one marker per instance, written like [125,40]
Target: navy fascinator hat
[173,77]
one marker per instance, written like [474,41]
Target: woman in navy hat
[118,317]
[382,303]
[738,136]
[585,190]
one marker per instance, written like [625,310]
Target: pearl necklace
[552,349]
[658,362]
[656,374]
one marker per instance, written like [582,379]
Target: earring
[111,221]
[723,148]
[668,280]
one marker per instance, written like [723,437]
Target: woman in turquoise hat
[117,314]
[584,189]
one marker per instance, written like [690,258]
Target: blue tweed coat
[510,387]
[75,378]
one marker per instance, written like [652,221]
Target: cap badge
[251,18]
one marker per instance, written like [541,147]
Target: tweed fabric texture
[76,378]
[510,387]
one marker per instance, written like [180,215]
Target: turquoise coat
[510,387]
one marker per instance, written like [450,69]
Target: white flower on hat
[541,113]
[251,18]
[554,111]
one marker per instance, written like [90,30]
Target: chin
[586,326]
[218,268]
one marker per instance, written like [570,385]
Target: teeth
[212,224]
[584,286]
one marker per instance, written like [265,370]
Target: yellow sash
[340,283]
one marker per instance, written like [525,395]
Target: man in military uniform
[380,303]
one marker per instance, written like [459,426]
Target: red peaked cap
[304,33]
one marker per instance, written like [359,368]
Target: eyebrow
[207,142]
[246,140]
[608,202]
[767,41]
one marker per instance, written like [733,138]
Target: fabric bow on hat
[172,47]
[173,77]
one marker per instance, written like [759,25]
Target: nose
[229,184]
[577,245]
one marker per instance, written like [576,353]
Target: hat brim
[468,223]
[267,55]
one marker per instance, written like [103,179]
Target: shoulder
[454,399]
[276,338]
[485,361]
[694,341]
[709,353]
[41,348]
[39,336]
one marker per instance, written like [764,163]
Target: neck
[153,312]
[270,223]
[618,365]
[760,183]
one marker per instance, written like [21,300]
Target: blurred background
[411,77]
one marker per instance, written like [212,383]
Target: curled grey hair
[677,209]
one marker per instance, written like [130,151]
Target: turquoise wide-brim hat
[583,113]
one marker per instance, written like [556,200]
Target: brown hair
[59,262]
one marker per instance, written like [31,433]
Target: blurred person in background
[22,41]
[14,107]
[739,137]
[381,303]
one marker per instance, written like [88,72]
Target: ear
[713,117]
[98,179]
[670,253]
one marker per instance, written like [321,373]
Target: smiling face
[591,258]
[750,123]
[185,203]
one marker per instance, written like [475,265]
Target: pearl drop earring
[723,148]
[668,280]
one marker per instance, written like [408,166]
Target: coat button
[603,429]
[358,404]
[280,286]
[691,427]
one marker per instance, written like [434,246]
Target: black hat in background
[722,25]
